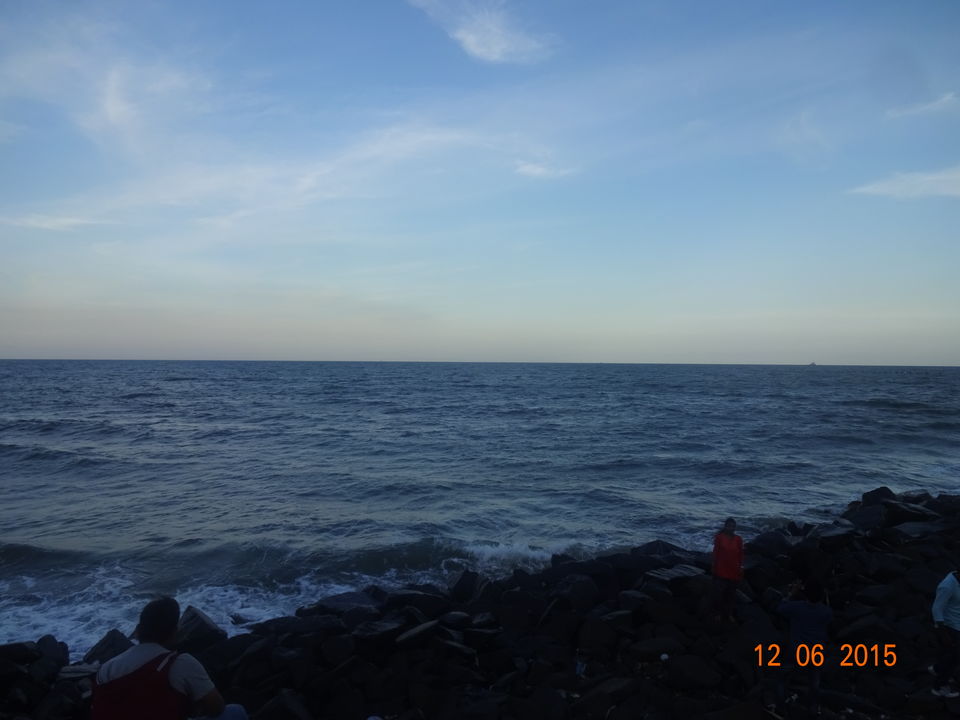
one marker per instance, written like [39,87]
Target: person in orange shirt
[727,568]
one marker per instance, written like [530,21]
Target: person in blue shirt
[946,619]
[809,618]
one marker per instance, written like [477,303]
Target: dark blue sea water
[250,488]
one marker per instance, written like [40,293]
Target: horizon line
[468,362]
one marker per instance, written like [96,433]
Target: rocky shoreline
[617,637]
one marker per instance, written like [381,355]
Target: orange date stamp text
[853,656]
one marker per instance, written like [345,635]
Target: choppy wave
[250,489]
[267,582]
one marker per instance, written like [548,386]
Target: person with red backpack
[152,682]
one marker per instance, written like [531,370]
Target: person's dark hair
[729,521]
[158,620]
[813,591]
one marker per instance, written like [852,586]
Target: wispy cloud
[117,98]
[232,193]
[918,184]
[540,170]
[486,30]
[50,222]
[947,101]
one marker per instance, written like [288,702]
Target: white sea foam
[108,601]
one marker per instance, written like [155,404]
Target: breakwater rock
[618,637]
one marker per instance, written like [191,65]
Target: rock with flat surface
[20,652]
[378,631]
[339,604]
[109,646]
[197,631]
[322,624]
[867,517]
[900,512]
[875,497]
[579,590]
[770,544]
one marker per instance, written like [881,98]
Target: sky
[481,180]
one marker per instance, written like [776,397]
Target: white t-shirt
[187,675]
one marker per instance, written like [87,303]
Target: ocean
[249,489]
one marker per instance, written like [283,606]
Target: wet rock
[876,497]
[481,705]
[324,625]
[597,637]
[923,580]
[742,711]
[10,672]
[45,670]
[632,599]
[465,587]
[21,652]
[73,673]
[599,700]
[456,619]
[945,504]
[887,567]
[579,590]
[867,517]
[218,657]
[762,572]
[675,576]
[480,638]
[109,646]
[865,629]
[197,631]
[922,702]
[915,497]
[486,598]
[522,580]
[669,612]
[296,664]
[287,705]
[770,544]
[875,595]
[337,648]
[339,604]
[514,618]
[429,604]
[457,652]
[55,705]
[378,632]
[900,512]
[912,530]
[595,569]
[58,652]
[419,633]
[484,620]
[354,616]
[632,708]
[835,535]
[658,547]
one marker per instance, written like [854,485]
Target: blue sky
[562,180]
